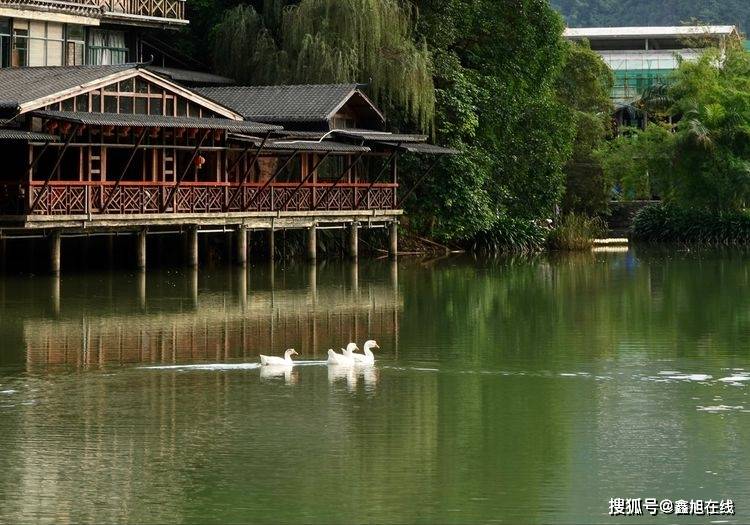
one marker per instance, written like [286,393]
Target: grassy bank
[671,224]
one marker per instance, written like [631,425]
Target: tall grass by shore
[575,232]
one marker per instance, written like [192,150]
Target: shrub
[575,232]
[668,223]
[510,235]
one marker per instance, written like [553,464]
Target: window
[107,47]
[5,42]
[75,43]
[32,43]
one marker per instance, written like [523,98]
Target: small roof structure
[134,121]
[577,33]
[366,134]
[304,145]
[24,89]
[290,105]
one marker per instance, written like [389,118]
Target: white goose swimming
[346,357]
[266,360]
[368,358]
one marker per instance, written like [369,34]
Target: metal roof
[17,135]
[423,149]
[310,103]
[160,121]
[367,134]
[305,145]
[648,32]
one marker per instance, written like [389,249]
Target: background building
[643,56]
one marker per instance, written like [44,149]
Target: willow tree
[331,41]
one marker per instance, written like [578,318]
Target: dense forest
[591,13]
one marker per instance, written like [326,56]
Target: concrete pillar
[192,247]
[140,249]
[393,239]
[141,278]
[55,246]
[271,245]
[3,253]
[241,245]
[354,240]
[312,243]
[54,294]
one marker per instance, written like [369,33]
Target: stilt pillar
[140,249]
[192,247]
[312,243]
[241,245]
[354,240]
[271,244]
[393,239]
[55,247]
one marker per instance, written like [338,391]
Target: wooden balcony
[132,198]
[148,12]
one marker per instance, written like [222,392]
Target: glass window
[181,107]
[110,104]
[82,103]
[126,104]
[155,107]
[107,47]
[96,103]
[20,43]
[127,85]
[141,106]
[4,42]
[67,104]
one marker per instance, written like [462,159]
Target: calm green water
[506,391]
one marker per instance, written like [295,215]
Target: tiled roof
[189,77]
[17,135]
[19,85]
[301,103]
[122,120]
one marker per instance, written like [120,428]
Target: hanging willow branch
[331,41]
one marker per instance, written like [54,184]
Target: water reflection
[186,316]
[285,372]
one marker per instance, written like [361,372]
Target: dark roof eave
[159,121]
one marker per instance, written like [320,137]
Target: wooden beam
[185,171]
[54,168]
[312,172]
[421,179]
[124,170]
[243,179]
[269,181]
[376,179]
[339,179]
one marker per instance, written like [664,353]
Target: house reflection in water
[230,316]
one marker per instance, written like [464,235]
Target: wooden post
[393,239]
[241,245]
[192,247]
[312,243]
[354,240]
[140,249]
[55,246]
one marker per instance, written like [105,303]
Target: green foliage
[575,232]
[669,223]
[510,235]
[495,69]
[598,13]
[583,86]
[330,41]
[638,163]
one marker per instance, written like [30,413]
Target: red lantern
[199,161]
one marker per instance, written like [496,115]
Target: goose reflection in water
[352,375]
[275,372]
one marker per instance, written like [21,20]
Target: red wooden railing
[77,198]
[168,9]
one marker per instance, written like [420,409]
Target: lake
[528,390]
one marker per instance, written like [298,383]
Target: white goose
[266,360]
[368,358]
[346,357]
